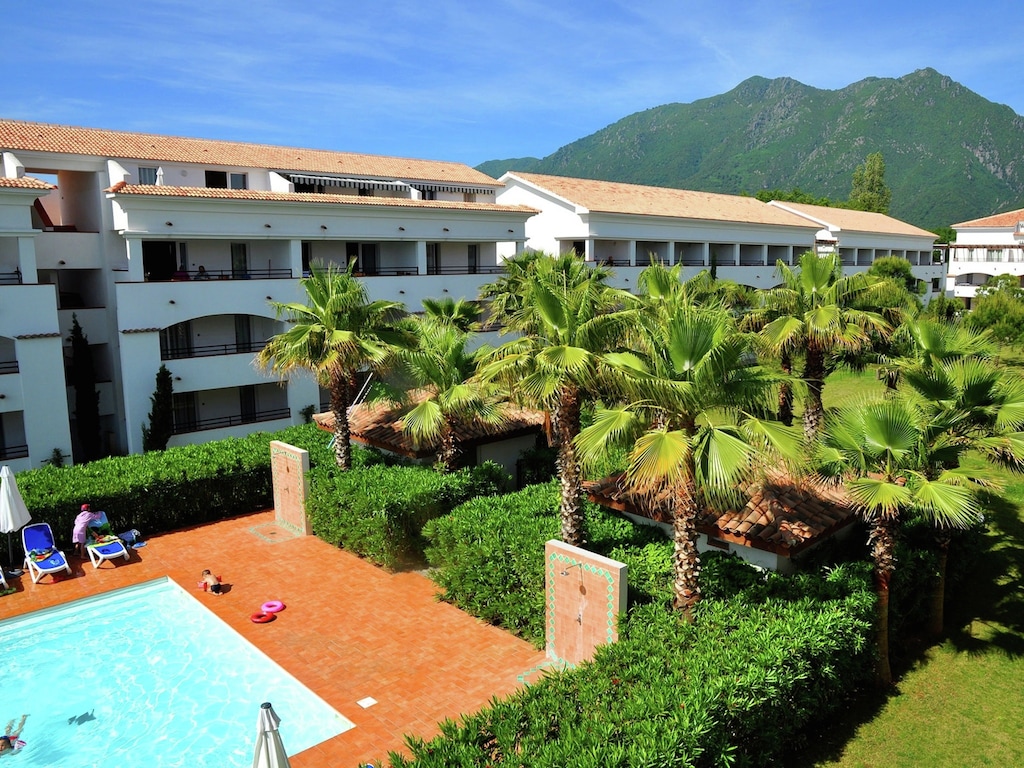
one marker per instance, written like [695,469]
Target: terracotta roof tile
[617,197]
[46,137]
[121,188]
[855,221]
[1007,219]
[379,425]
[782,515]
[25,182]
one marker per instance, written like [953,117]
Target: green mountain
[950,154]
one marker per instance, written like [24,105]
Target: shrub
[735,688]
[166,490]
[378,512]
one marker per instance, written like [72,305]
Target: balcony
[183,275]
[220,422]
[8,366]
[10,278]
[212,350]
[13,452]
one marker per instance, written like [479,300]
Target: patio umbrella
[269,748]
[13,512]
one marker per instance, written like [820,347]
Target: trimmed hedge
[172,489]
[488,556]
[738,687]
[379,512]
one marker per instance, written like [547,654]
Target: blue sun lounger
[106,549]
[41,554]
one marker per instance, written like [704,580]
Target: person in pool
[10,742]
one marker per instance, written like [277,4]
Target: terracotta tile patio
[350,629]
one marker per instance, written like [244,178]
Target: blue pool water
[146,676]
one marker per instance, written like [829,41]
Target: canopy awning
[440,187]
[338,181]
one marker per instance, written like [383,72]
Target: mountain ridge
[951,155]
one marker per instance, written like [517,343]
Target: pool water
[146,676]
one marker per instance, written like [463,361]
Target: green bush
[736,688]
[172,489]
[378,512]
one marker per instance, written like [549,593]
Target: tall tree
[814,314]
[161,414]
[884,452]
[336,334]
[460,313]
[565,312]
[87,398]
[870,192]
[690,419]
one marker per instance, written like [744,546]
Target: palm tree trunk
[567,426]
[883,545]
[786,392]
[814,378]
[342,393]
[937,619]
[448,454]
[685,558]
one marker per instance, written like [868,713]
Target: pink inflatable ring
[272,606]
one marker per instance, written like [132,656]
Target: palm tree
[813,314]
[983,408]
[688,420]
[887,453]
[567,317]
[463,314]
[440,368]
[927,343]
[336,334]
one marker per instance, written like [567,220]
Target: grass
[959,705]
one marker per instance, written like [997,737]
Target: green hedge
[738,687]
[488,555]
[379,512]
[172,489]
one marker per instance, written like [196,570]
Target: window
[469,197]
[364,192]
[428,194]
[239,181]
[183,257]
[935,284]
[239,260]
[216,180]
[247,403]
[185,412]
[176,341]
[432,249]
[995,254]
[580,246]
[243,333]
[473,252]
[147,175]
[307,252]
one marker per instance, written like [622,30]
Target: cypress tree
[161,416]
[87,398]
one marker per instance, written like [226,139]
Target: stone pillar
[290,467]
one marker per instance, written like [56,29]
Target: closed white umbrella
[269,747]
[13,512]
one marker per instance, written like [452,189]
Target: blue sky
[464,81]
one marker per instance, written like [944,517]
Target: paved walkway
[350,629]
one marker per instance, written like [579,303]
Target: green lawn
[961,704]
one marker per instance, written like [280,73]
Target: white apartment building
[170,250]
[984,248]
[627,226]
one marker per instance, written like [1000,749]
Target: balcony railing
[219,422]
[223,274]
[13,452]
[211,350]
[8,366]
[465,269]
[10,278]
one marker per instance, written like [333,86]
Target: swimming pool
[146,676]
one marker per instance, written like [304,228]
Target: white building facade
[985,248]
[170,251]
[628,226]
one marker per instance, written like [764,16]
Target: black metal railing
[13,452]
[10,278]
[465,269]
[198,425]
[213,350]
[8,366]
[223,274]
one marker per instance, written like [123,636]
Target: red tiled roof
[66,139]
[855,221]
[635,199]
[25,182]
[379,424]
[1008,219]
[123,188]
[782,515]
